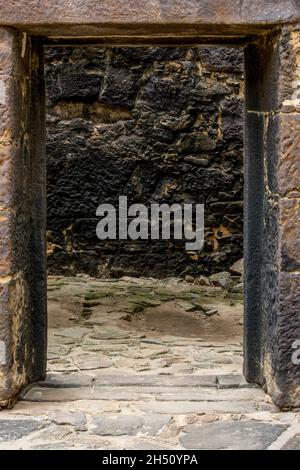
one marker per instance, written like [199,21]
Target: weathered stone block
[235,16]
[5,244]
[223,59]
[289,213]
[289,69]
[13,429]
[75,86]
[292,444]
[120,87]
[4,332]
[282,153]
[165,93]
[261,69]
[231,435]
[253,240]
[14,52]
[12,183]
[130,425]
[195,143]
[282,374]
[289,163]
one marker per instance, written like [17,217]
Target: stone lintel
[87,18]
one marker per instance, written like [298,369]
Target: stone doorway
[271,193]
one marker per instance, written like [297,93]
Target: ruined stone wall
[157,125]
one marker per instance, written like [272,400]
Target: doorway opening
[158,125]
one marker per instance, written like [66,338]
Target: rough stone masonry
[156,124]
[270,32]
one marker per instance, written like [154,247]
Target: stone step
[201,407]
[138,393]
[75,380]
[157,380]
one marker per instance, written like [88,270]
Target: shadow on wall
[154,124]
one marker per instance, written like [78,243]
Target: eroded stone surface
[92,361]
[13,429]
[293,443]
[59,15]
[165,125]
[75,418]
[130,425]
[232,435]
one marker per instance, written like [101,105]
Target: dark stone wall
[157,125]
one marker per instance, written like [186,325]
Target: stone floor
[145,364]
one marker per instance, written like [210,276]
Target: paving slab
[72,380]
[129,425]
[73,332]
[12,429]
[157,380]
[293,443]
[92,361]
[73,418]
[231,435]
[233,381]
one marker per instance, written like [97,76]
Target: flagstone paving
[145,364]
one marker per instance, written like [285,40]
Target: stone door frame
[271,37]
